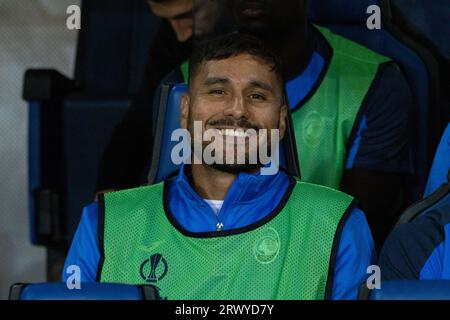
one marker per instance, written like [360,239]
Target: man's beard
[237,155]
[235,167]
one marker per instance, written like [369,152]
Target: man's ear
[184,114]
[283,120]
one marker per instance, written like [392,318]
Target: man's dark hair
[232,45]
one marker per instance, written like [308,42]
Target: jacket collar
[252,200]
[246,187]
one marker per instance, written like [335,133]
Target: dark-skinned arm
[379,157]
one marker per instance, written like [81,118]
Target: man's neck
[295,46]
[210,183]
[296,51]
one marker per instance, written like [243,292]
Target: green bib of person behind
[324,123]
[291,256]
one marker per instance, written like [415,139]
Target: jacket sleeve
[355,254]
[84,251]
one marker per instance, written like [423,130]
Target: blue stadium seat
[88,291]
[168,120]
[428,23]
[437,193]
[429,19]
[71,120]
[349,19]
[63,161]
[438,200]
[113,46]
[409,290]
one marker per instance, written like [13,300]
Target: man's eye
[256,96]
[217,92]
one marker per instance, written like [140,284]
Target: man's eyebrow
[261,85]
[216,80]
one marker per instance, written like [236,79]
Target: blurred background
[33,35]
[57,119]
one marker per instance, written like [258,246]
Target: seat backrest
[428,23]
[438,200]
[339,12]
[87,291]
[427,20]
[437,193]
[70,125]
[441,165]
[89,125]
[410,290]
[113,45]
[168,120]
[65,146]
[349,19]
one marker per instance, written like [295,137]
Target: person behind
[178,13]
[227,231]
[350,108]
[420,250]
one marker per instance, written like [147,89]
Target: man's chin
[236,168]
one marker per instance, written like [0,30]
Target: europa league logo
[154,269]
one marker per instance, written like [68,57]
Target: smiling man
[227,231]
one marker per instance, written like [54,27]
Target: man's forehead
[171,8]
[245,68]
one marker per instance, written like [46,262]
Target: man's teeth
[235,133]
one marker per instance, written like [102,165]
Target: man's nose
[237,109]
[183,29]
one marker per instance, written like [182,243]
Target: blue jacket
[356,250]
[420,250]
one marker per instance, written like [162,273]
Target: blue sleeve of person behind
[419,250]
[355,253]
[84,251]
[381,141]
[441,165]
